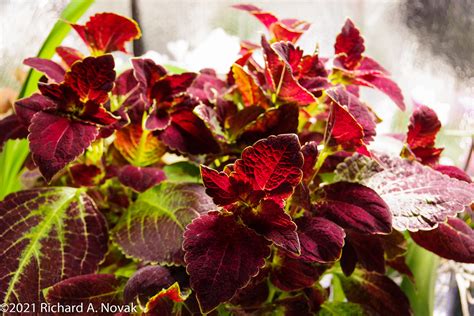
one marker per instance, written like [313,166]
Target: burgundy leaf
[50,68]
[310,155]
[26,108]
[453,172]
[275,121]
[140,178]
[255,293]
[49,235]
[218,186]
[350,45]
[89,290]
[290,274]
[271,221]
[221,256]
[378,294]
[188,134]
[354,206]
[368,250]
[171,85]
[85,175]
[55,141]
[266,18]
[92,78]
[11,128]
[146,282]
[451,240]
[321,240]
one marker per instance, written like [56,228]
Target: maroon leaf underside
[321,240]
[350,44]
[146,282]
[221,256]
[51,69]
[452,240]
[55,141]
[11,128]
[356,207]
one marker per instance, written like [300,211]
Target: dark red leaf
[451,240]
[255,293]
[140,178]
[11,128]
[26,108]
[289,53]
[168,86]
[51,69]
[369,66]
[89,290]
[378,294]
[271,221]
[92,78]
[221,256]
[401,267]
[350,44]
[147,282]
[69,55]
[356,207]
[125,83]
[310,155]
[55,141]
[453,172]
[357,109]
[218,186]
[188,134]
[108,32]
[275,121]
[85,175]
[368,250]
[272,165]
[423,127]
[321,240]
[290,274]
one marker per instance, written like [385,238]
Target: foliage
[259,223]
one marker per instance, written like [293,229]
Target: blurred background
[427,45]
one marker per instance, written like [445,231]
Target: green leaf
[152,228]
[11,162]
[341,309]
[49,234]
[183,171]
[424,265]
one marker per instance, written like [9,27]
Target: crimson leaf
[221,257]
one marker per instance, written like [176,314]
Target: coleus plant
[277,205]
